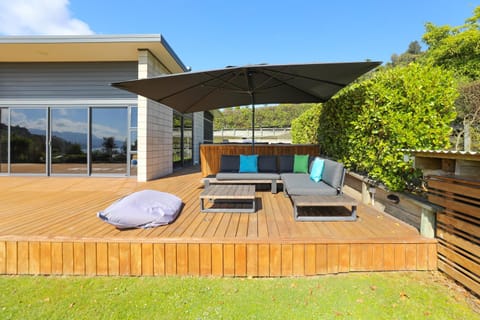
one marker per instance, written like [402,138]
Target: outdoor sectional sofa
[273,170]
[297,181]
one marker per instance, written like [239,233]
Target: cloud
[45,17]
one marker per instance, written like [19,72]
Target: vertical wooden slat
[321,258]
[182,259]
[411,256]
[252,260]
[287,260]
[240,260]
[12,258]
[275,260]
[136,259]
[23,256]
[388,257]
[344,258]
[193,259]
[399,256]
[3,257]
[170,259]
[102,258]
[57,258]
[147,259]
[124,259]
[217,259]
[45,258]
[356,254]
[79,258]
[332,256]
[113,259]
[432,256]
[310,260]
[159,259]
[34,257]
[205,259]
[229,260]
[298,260]
[67,249]
[377,257]
[422,256]
[90,258]
[263,260]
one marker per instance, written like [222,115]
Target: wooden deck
[48,225]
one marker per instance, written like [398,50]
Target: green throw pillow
[300,163]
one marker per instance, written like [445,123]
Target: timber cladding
[458,228]
[210,154]
[228,259]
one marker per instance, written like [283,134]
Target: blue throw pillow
[248,163]
[317,169]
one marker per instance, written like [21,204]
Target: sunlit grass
[417,295]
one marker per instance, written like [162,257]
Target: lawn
[415,295]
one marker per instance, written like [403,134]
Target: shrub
[305,127]
[368,124]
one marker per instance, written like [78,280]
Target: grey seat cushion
[142,209]
[333,173]
[300,184]
[247,176]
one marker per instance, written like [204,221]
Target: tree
[108,145]
[455,48]
[413,52]
[468,114]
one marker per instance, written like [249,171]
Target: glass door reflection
[69,140]
[109,140]
[28,140]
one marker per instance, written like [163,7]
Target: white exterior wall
[197,135]
[155,126]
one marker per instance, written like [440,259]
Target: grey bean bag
[142,209]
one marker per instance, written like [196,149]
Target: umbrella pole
[253,123]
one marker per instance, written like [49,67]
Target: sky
[211,34]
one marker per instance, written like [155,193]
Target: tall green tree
[455,48]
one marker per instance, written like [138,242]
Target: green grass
[417,295]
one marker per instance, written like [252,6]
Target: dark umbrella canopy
[237,86]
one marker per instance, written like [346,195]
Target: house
[60,116]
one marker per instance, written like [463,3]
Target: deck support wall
[211,259]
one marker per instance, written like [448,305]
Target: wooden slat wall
[458,228]
[210,153]
[211,259]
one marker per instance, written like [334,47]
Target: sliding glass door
[28,137]
[69,140]
[109,140]
[3,140]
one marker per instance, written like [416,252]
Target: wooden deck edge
[138,258]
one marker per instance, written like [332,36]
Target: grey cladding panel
[65,80]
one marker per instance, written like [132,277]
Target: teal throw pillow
[317,169]
[300,163]
[248,163]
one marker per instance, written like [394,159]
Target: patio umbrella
[248,85]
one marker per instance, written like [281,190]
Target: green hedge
[305,128]
[367,124]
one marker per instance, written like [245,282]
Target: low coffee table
[324,201]
[232,194]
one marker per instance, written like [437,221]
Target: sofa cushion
[333,173]
[300,163]
[297,184]
[267,164]
[247,176]
[229,163]
[248,163]
[285,163]
[317,169]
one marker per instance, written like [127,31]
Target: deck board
[49,226]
